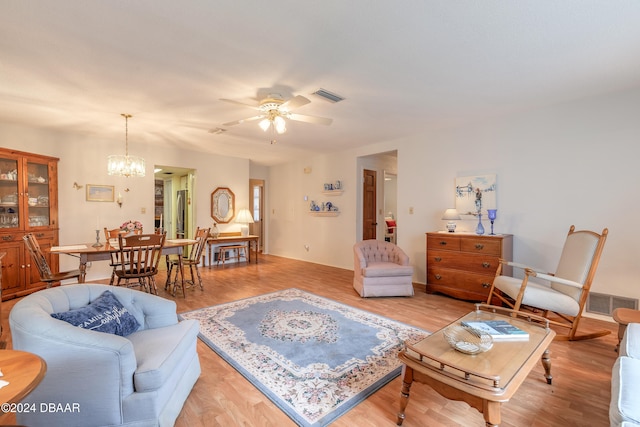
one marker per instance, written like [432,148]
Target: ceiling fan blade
[239,103]
[311,119]
[295,102]
[237,122]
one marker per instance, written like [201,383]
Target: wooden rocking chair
[565,293]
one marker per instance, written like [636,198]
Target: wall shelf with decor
[325,213]
[333,192]
[333,188]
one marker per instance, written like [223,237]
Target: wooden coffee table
[486,380]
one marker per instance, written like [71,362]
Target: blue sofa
[141,379]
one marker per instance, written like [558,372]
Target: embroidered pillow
[104,314]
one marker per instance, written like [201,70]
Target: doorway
[256,205]
[377,196]
[174,207]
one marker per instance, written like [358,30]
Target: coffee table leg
[546,363]
[407,380]
[491,412]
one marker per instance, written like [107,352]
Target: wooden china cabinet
[28,204]
[463,265]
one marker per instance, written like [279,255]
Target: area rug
[313,357]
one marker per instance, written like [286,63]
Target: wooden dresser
[463,265]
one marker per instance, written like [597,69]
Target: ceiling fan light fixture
[264,124]
[280,124]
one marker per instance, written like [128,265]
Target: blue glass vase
[479,228]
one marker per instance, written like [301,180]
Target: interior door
[256,205]
[369,222]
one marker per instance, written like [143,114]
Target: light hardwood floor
[581,371]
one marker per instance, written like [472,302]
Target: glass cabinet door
[37,194]
[9,201]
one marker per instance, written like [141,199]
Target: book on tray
[500,330]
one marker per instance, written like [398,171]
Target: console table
[463,265]
[226,239]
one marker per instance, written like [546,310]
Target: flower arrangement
[131,226]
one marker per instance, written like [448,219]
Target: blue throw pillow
[104,314]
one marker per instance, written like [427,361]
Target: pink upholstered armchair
[381,269]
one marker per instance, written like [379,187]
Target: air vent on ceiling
[331,97]
[217,131]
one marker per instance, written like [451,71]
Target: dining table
[89,252]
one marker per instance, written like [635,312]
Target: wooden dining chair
[192,261]
[111,236]
[46,275]
[141,255]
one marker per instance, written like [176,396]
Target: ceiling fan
[274,110]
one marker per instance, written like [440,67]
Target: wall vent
[605,304]
[331,97]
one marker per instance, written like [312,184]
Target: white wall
[570,164]
[83,160]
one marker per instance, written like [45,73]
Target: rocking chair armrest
[553,278]
[520,266]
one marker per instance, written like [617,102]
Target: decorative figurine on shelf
[492,217]
[215,231]
[479,228]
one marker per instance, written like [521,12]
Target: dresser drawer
[484,264]
[16,236]
[464,282]
[45,235]
[444,241]
[481,246]
[11,237]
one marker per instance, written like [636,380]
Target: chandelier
[125,165]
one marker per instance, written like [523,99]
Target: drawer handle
[438,277]
[486,285]
[40,235]
[5,238]
[438,259]
[443,243]
[486,264]
[479,246]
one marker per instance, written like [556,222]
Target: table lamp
[245,218]
[451,215]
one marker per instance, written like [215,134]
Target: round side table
[23,371]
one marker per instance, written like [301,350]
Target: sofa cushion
[386,269]
[159,355]
[103,314]
[625,389]
[630,345]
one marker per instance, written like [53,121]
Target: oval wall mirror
[223,203]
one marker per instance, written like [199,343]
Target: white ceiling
[404,67]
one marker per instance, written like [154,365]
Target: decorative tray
[468,340]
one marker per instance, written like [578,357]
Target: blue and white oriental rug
[313,357]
